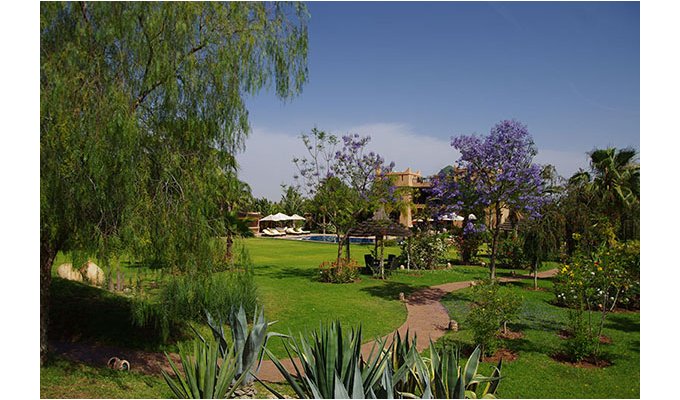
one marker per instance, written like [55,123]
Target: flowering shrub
[603,280]
[467,241]
[425,249]
[492,308]
[598,282]
[339,271]
[511,253]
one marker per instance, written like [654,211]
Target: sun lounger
[272,232]
[291,231]
[299,231]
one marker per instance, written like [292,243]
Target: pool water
[334,239]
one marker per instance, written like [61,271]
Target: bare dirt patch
[505,354]
[511,335]
[564,334]
[589,362]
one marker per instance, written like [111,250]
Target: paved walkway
[427,318]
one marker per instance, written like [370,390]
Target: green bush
[595,282]
[185,298]
[582,343]
[511,253]
[425,250]
[339,271]
[492,308]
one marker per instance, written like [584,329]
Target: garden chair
[369,268]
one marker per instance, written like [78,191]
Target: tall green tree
[347,184]
[292,201]
[613,188]
[140,105]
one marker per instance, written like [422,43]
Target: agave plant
[331,366]
[203,377]
[440,375]
[248,344]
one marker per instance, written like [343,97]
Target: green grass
[535,374]
[285,272]
[60,378]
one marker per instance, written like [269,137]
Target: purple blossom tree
[500,170]
[344,180]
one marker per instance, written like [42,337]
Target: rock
[93,274]
[402,266]
[66,271]
[453,326]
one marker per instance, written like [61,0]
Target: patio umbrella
[269,217]
[280,217]
[296,217]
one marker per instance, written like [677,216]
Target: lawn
[285,272]
[535,374]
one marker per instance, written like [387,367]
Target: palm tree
[613,184]
[234,227]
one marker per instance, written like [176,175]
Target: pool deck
[301,236]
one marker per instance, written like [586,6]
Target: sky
[413,75]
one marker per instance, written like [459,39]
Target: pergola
[380,228]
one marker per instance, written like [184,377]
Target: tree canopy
[499,170]
[141,105]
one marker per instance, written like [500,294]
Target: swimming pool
[334,239]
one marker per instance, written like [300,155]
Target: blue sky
[412,75]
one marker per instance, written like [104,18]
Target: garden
[509,280]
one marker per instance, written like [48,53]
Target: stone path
[427,318]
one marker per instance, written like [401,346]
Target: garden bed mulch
[505,354]
[564,334]
[589,362]
[511,335]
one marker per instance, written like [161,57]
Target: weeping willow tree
[141,104]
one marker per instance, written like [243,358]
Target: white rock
[93,274]
[66,271]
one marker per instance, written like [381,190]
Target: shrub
[582,343]
[595,282]
[511,253]
[492,308]
[185,298]
[425,250]
[467,241]
[339,271]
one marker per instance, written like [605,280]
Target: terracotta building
[415,197]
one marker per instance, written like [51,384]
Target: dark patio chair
[369,265]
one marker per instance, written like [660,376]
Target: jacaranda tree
[344,182]
[500,168]
[140,105]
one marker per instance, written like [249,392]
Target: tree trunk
[382,257]
[340,243]
[230,244]
[47,254]
[494,242]
[536,275]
